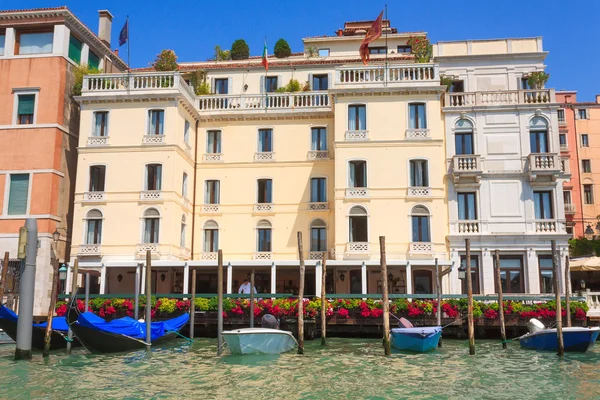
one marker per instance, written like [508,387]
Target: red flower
[342,312]
[101,313]
[376,312]
[491,314]
[580,314]
[61,311]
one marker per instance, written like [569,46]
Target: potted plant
[537,79]
[421,48]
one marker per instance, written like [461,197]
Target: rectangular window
[75,47]
[358,174]
[417,118]
[318,239]
[153,177]
[463,142]
[562,139]
[34,42]
[25,108]
[18,194]
[221,85]
[378,50]
[586,166]
[511,274]
[94,231]
[318,139]
[2,40]
[588,195]
[264,239]
[404,49]
[357,117]
[567,197]
[318,190]
[97,178]
[320,82]
[524,83]
[265,140]
[419,176]
[543,205]
[270,84]
[467,207]
[184,185]
[151,229]
[420,229]
[582,113]
[100,123]
[474,274]
[538,141]
[213,142]
[212,192]
[546,274]
[156,122]
[585,140]
[323,52]
[93,60]
[265,191]
[211,240]
[186,132]
[561,115]
[457,87]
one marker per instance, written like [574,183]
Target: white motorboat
[259,340]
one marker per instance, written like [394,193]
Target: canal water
[345,369]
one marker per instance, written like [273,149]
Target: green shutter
[17,198]
[26,104]
[75,49]
[93,61]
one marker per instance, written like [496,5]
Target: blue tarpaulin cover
[130,327]
[58,323]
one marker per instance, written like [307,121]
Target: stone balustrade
[545,226]
[264,156]
[417,134]
[357,247]
[97,141]
[418,191]
[421,248]
[393,75]
[317,155]
[153,139]
[262,255]
[212,157]
[318,206]
[210,208]
[151,195]
[544,162]
[94,197]
[570,208]
[89,250]
[210,255]
[263,208]
[593,301]
[290,102]
[499,98]
[357,192]
[357,136]
[468,226]
[316,255]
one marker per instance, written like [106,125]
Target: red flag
[373,34]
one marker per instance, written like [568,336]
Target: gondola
[58,337]
[122,334]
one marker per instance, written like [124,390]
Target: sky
[192,28]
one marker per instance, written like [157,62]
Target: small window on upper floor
[419,175]
[34,42]
[97,178]
[357,117]
[270,84]
[323,52]
[221,85]
[538,135]
[25,109]
[75,47]
[153,177]
[588,194]
[213,142]
[467,207]
[184,185]
[417,117]
[378,50]
[320,82]
[156,122]
[212,192]
[318,139]
[585,140]
[186,132]
[561,116]
[582,113]
[264,193]
[524,83]
[18,195]
[318,190]
[543,205]
[357,174]
[100,123]
[265,140]
[562,139]
[586,166]
[404,49]
[93,60]
[463,137]
[2,40]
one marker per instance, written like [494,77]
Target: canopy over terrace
[585,264]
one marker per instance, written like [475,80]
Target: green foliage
[583,247]
[198,81]
[240,50]
[167,306]
[446,81]
[312,51]
[166,60]
[97,303]
[79,72]
[201,304]
[221,55]
[282,49]
[292,86]
[421,48]
[537,79]
[213,304]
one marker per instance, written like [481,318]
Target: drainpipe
[194,189]
[570,105]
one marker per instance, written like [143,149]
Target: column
[273,278]
[143,288]
[318,273]
[229,278]
[409,288]
[60,43]
[532,272]
[363,277]
[186,278]
[68,282]
[9,42]
[103,279]
[488,277]
[85,54]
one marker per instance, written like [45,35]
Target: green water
[346,368]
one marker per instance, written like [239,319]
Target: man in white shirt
[245,287]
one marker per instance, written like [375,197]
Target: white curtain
[35,43]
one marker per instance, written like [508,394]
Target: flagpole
[128,61]
[386,49]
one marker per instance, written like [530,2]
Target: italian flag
[265,62]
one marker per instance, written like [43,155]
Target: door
[355,282]
[422,282]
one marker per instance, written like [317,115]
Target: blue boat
[421,339]
[575,339]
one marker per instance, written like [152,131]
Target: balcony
[418,192]
[308,102]
[417,134]
[357,136]
[262,255]
[264,156]
[357,192]
[466,168]
[357,251]
[419,248]
[184,252]
[94,197]
[263,208]
[468,227]
[544,165]
[316,255]
[545,226]
[318,206]
[97,141]
[141,249]
[393,76]
[209,255]
[499,98]
[153,139]
[151,195]
[212,157]
[564,147]
[570,208]
[89,250]
[565,165]
[211,208]
[318,155]
[562,122]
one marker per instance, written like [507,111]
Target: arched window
[211,237]
[151,225]
[358,224]
[94,227]
[182,232]
[318,235]
[420,224]
[538,135]
[463,137]
[184,185]
[264,236]
[419,173]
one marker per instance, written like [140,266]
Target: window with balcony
[264,236]
[417,118]
[75,46]
[213,142]
[562,139]
[467,206]
[318,139]
[34,42]
[585,140]
[153,177]
[323,52]
[18,194]
[582,113]
[378,50]
[538,135]
[357,117]
[93,60]
[270,84]
[265,191]
[151,226]
[357,174]
[93,227]
[212,192]
[420,224]
[318,190]
[359,230]
[511,274]
[97,178]
[25,109]
[211,237]
[543,205]
[156,121]
[404,49]
[586,166]
[320,82]
[100,123]
[546,274]
[474,274]
[463,137]
[184,185]
[182,231]
[221,85]
[186,132]
[265,140]
[318,235]
[419,175]
[588,195]
[561,115]
[457,86]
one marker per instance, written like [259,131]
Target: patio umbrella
[585,264]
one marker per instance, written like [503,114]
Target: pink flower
[101,313]
[342,312]
[376,312]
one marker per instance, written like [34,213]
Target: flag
[265,62]
[124,35]
[373,34]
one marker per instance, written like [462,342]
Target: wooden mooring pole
[48,335]
[73,293]
[193,304]
[148,300]
[252,299]
[220,302]
[301,297]
[500,301]
[385,300]
[324,300]
[568,290]
[470,298]
[3,278]
[438,284]
[559,333]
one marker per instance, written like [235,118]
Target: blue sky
[193,28]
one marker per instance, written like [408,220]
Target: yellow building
[358,155]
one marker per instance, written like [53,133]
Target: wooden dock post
[567,290]
[301,297]
[73,293]
[3,278]
[148,300]
[220,302]
[324,300]
[385,300]
[500,301]
[53,293]
[438,283]
[193,304]
[252,299]
[470,298]
[559,333]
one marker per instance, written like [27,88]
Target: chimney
[598,99]
[104,26]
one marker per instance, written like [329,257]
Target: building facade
[39,126]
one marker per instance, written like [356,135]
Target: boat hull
[259,341]
[419,340]
[574,339]
[57,341]
[97,341]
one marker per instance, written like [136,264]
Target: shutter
[75,49]
[17,198]
[93,61]
[310,82]
[262,84]
[229,85]
[26,104]
[279,81]
[329,81]
[212,85]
